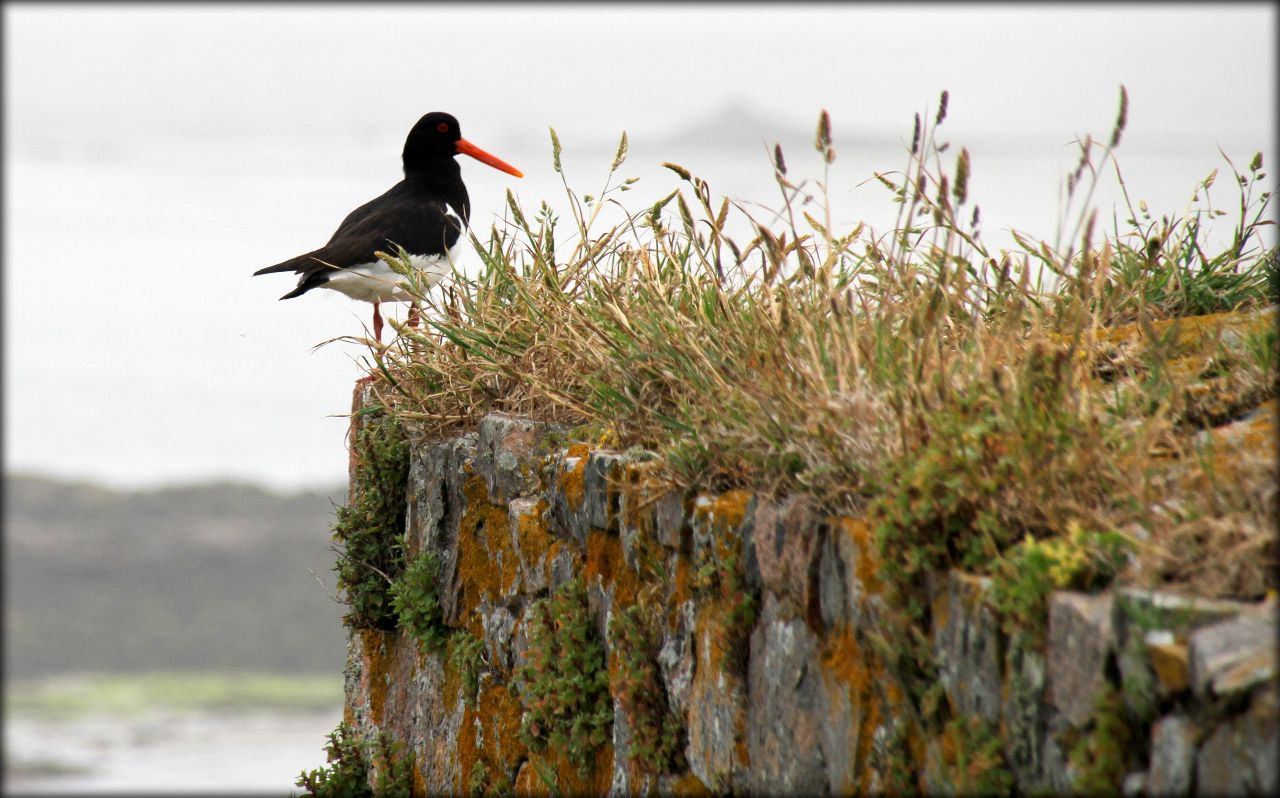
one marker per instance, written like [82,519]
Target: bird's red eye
[443,127]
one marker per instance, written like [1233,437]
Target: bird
[425,213]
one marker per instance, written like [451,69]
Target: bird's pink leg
[377,323]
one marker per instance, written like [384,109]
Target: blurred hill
[205,577]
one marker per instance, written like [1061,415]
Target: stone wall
[771,663]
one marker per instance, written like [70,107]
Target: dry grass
[964,397]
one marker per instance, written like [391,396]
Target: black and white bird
[425,214]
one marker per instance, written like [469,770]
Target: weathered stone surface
[626,780]
[531,542]
[435,492]
[562,564]
[1139,616]
[508,456]
[1240,756]
[567,475]
[1173,747]
[966,645]
[1022,714]
[1233,656]
[786,706]
[676,659]
[787,540]
[862,701]
[585,491]
[669,519]
[392,686]
[604,470]
[439,499]
[1057,775]
[840,590]
[717,707]
[1078,640]
[499,624]
[795,704]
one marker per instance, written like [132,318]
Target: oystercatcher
[425,214]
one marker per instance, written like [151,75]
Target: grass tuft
[965,397]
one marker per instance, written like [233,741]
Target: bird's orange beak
[467,148]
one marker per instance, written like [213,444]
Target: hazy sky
[285,70]
[156,155]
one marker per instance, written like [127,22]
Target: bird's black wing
[422,227]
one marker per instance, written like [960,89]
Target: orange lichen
[451,688]
[712,637]
[417,782]
[687,784]
[1258,434]
[845,661]
[681,588]
[487,563]
[723,512]
[1193,331]
[568,781]
[489,733]
[868,568]
[573,478]
[641,487]
[533,538]
[716,674]
[375,671]
[605,566]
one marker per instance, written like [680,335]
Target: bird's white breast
[376,282]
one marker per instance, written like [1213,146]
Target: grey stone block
[1023,714]
[1233,656]
[1139,614]
[437,499]
[966,644]
[576,511]
[840,593]
[717,712]
[498,624]
[1173,747]
[601,498]
[508,455]
[533,578]
[786,707]
[676,660]
[787,541]
[1240,756]
[1078,641]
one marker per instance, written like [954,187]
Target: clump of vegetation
[1031,570]
[725,581]
[964,396]
[480,782]
[466,656]
[369,528]
[565,685]
[350,759]
[656,732]
[972,760]
[1101,756]
[415,600]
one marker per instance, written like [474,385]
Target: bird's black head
[436,139]
[432,140]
